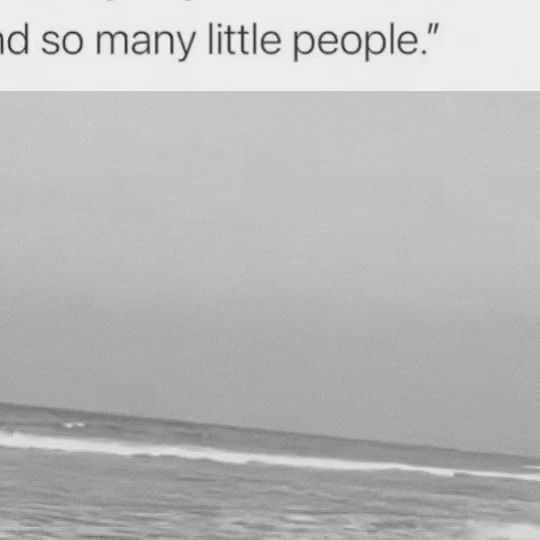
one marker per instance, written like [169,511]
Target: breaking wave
[27,441]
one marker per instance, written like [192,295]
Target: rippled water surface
[80,475]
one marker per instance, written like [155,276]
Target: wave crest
[28,441]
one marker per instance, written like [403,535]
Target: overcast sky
[356,264]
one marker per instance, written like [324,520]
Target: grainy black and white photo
[295,316]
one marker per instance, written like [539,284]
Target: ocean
[68,475]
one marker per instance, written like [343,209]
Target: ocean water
[67,475]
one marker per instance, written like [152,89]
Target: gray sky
[355,264]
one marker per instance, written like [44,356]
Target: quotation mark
[433,28]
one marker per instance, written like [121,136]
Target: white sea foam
[71,425]
[27,441]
